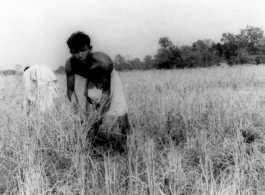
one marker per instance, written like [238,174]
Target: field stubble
[198,131]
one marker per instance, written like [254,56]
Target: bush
[233,60]
[244,60]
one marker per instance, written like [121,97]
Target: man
[40,87]
[103,91]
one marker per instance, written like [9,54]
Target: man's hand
[80,117]
[104,104]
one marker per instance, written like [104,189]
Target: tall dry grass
[197,131]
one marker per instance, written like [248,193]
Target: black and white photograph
[132,97]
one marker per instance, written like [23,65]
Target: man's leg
[89,107]
[126,131]
[125,125]
[94,131]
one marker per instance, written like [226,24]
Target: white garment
[40,86]
[118,106]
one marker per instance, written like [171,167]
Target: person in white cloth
[103,91]
[41,87]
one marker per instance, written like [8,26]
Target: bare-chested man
[103,90]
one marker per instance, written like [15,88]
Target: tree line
[246,47]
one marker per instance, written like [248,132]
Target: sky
[36,31]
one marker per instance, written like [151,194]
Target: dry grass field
[196,131]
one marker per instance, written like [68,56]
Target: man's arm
[71,85]
[89,107]
[104,101]
[105,65]
[105,98]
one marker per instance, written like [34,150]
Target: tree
[164,42]
[202,45]
[231,47]
[119,59]
[147,59]
[190,58]
[123,63]
[261,46]
[168,58]
[205,50]
[242,47]
[148,62]
[253,36]
[219,49]
[136,63]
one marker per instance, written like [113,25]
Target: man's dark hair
[26,68]
[78,40]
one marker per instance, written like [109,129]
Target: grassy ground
[197,131]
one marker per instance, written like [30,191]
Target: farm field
[196,131]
